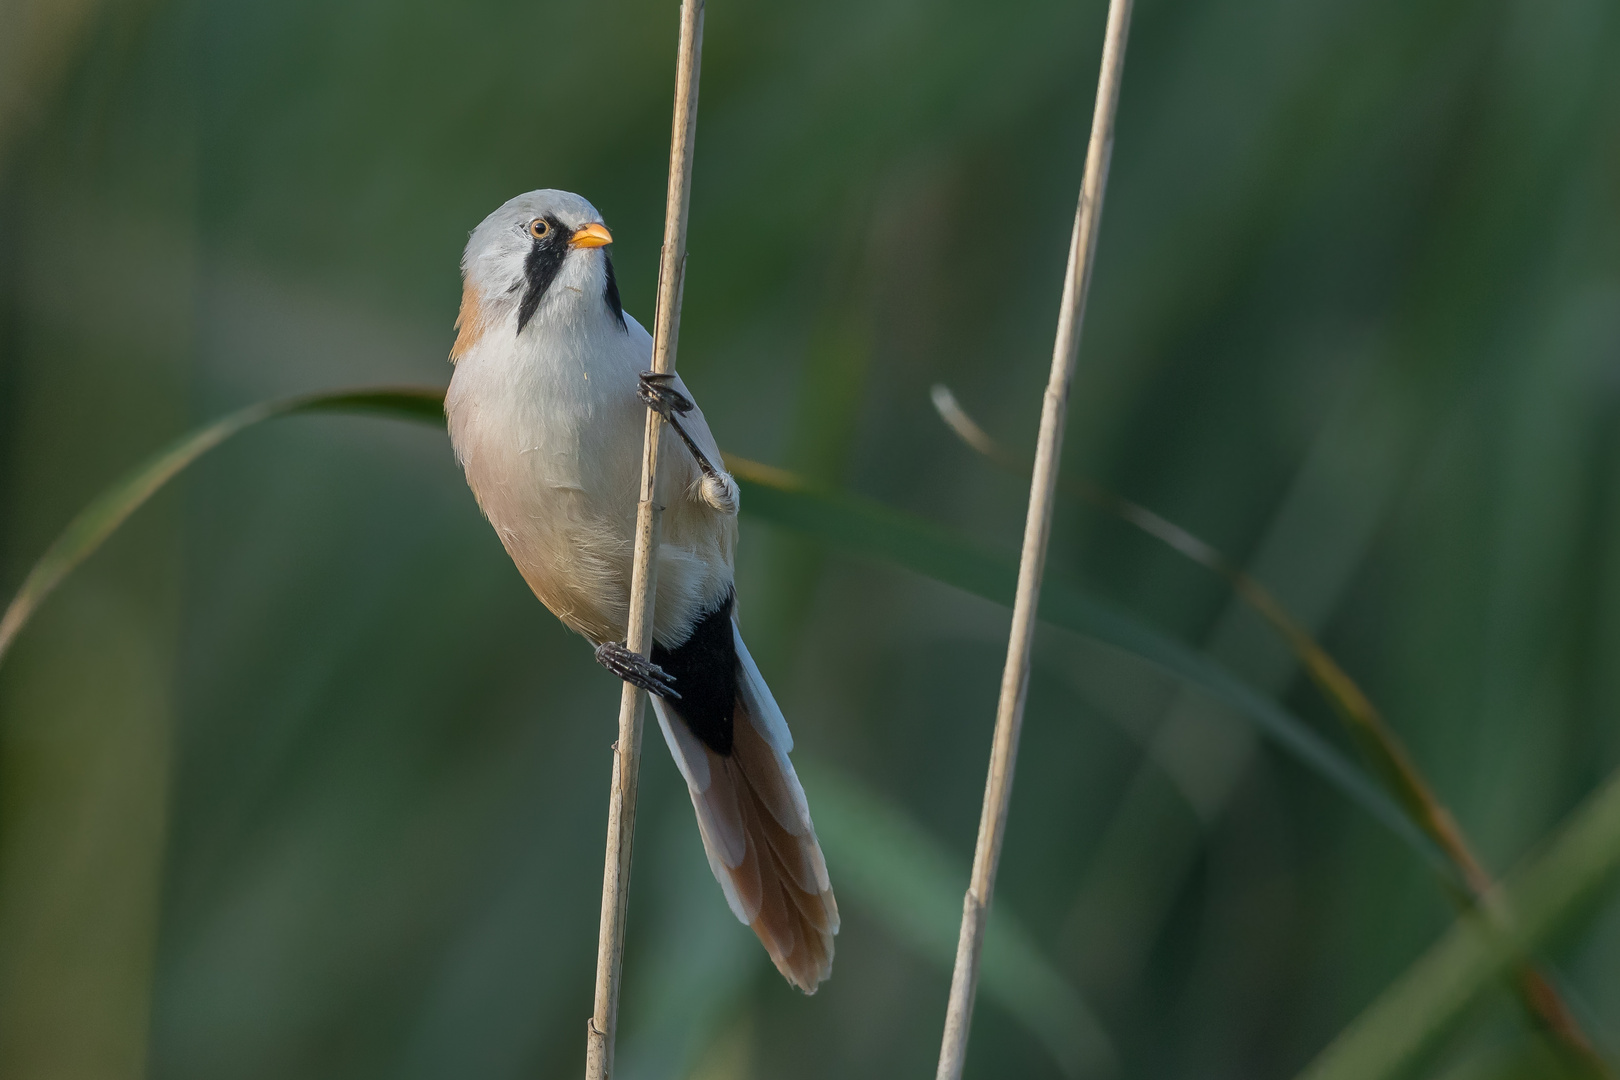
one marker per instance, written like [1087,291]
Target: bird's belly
[561,490]
[564,512]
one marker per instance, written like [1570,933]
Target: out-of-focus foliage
[95,524]
[1424,1003]
[296,779]
[899,873]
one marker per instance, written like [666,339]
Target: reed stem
[1037,530]
[603,1025]
[1378,741]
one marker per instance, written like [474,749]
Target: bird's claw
[656,389]
[637,670]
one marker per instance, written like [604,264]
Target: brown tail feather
[786,901]
[756,829]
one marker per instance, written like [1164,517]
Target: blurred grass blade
[888,865]
[871,529]
[1382,748]
[1419,1008]
[1387,754]
[97,521]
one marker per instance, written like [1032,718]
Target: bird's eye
[539,228]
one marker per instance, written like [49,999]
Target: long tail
[756,828]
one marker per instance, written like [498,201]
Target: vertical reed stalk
[604,1020]
[1393,763]
[1037,529]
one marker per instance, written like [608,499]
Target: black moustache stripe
[540,269]
[611,295]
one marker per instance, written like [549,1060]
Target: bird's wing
[697,427]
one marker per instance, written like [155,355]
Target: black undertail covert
[705,670]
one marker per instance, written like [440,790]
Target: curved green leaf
[1407,1018]
[871,529]
[97,521]
[848,521]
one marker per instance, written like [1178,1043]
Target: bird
[547,410]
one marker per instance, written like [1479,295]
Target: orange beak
[589,236]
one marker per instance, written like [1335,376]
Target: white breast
[549,429]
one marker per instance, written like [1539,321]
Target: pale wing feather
[763,710]
[720,821]
[688,751]
[786,799]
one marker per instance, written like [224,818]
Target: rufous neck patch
[470,323]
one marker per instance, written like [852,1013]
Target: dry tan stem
[1037,529]
[603,1024]
[1366,724]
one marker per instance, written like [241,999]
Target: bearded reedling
[546,412]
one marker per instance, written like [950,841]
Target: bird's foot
[657,390]
[717,488]
[636,670]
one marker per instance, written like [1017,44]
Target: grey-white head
[542,255]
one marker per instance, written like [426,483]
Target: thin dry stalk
[1378,741]
[1037,530]
[604,1021]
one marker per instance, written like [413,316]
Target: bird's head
[542,256]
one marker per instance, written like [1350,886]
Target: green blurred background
[297,779]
